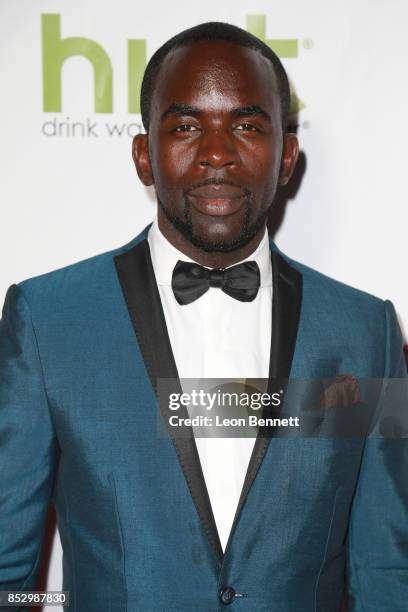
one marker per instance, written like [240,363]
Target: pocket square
[344,391]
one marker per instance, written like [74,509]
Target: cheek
[262,164]
[174,161]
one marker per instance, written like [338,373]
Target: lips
[217,200]
[217,191]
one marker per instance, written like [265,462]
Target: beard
[185,227]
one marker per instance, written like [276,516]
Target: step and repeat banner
[71,73]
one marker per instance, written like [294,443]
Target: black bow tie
[190,281]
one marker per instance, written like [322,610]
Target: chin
[220,242]
[219,238]
[216,236]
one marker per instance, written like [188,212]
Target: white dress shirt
[217,336]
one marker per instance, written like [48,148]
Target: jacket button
[227,595]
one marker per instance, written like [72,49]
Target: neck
[214,259]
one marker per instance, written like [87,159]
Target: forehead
[214,75]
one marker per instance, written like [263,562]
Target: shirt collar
[165,256]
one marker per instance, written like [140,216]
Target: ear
[140,154]
[290,152]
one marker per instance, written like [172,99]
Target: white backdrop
[69,196]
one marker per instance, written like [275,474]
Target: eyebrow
[179,109]
[253,109]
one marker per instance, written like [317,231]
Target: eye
[185,127]
[247,127]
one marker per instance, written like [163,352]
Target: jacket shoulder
[321,284]
[82,277]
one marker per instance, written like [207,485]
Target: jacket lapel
[137,280]
[136,276]
[286,305]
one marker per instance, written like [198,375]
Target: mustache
[216,181]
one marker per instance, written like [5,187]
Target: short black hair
[213,30]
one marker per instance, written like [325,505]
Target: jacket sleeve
[28,448]
[378,531]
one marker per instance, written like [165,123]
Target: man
[150,523]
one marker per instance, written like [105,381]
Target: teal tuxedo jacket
[319,521]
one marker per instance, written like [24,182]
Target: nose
[217,150]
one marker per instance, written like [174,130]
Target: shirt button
[227,595]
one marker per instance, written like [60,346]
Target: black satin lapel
[286,305]
[136,276]
[287,301]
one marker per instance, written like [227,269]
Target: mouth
[217,200]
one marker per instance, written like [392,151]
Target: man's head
[214,104]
